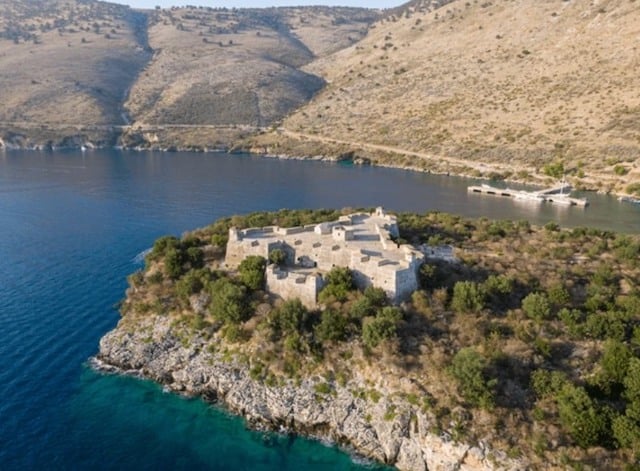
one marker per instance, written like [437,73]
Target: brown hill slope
[229,70]
[495,87]
[64,63]
[80,71]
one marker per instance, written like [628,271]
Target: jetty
[555,195]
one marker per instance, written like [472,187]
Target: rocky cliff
[387,430]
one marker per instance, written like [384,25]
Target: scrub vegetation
[531,341]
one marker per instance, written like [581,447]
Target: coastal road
[480,166]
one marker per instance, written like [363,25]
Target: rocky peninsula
[491,364]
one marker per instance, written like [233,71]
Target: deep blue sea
[72,226]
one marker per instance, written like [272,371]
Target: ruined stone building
[362,242]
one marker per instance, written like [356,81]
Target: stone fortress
[360,241]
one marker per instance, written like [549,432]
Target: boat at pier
[555,195]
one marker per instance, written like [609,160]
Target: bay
[71,227]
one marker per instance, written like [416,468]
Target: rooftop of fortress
[370,234]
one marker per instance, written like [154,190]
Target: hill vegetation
[531,343]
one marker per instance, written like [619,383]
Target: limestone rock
[393,433]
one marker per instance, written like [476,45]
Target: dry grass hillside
[74,72]
[219,67]
[66,62]
[507,88]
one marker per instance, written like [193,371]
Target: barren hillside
[66,62]
[75,72]
[512,88]
[226,68]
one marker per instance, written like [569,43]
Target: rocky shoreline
[404,438]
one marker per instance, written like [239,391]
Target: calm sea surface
[71,226]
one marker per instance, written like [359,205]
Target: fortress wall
[406,283]
[239,250]
[289,285]
[293,230]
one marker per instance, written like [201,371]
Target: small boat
[527,196]
[629,199]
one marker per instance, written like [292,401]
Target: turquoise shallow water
[71,226]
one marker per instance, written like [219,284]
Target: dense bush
[251,272]
[229,303]
[468,368]
[339,282]
[291,317]
[193,282]
[277,257]
[468,296]
[536,306]
[383,326]
[582,417]
[332,326]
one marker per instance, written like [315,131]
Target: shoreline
[231,150]
[154,351]
[103,368]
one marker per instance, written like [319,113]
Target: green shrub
[195,257]
[468,368]
[339,282]
[585,421]
[376,296]
[251,271]
[161,245]
[552,226]
[555,170]
[536,306]
[277,257]
[229,303]
[468,296]
[546,383]
[173,262]
[288,318]
[633,189]
[626,432]
[620,170]
[382,327]
[615,360]
[498,285]
[332,326]
[192,282]
[558,296]
[361,308]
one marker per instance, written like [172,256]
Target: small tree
[192,282]
[173,262]
[615,361]
[277,257]
[536,306]
[468,296]
[626,428]
[339,282]
[251,271]
[581,416]
[468,368]
[382,327]
[289,318]
[229,301]
[332,326]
